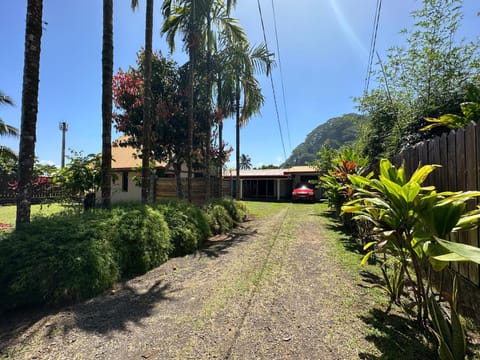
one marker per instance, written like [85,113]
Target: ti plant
[449,332]
[411,223]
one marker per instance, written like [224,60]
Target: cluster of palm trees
[210,35]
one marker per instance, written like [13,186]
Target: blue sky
[323,46]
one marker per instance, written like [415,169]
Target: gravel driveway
[273,289]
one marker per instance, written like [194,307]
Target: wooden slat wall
[166,189]
[459,155]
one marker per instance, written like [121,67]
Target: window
[125,181]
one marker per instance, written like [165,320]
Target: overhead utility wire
[281,76]
[271,81]
[373,41]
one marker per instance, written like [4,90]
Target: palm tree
[200,21]
[242,63]
[107,75]
[245,162]
[147,98]
[7,130]
[31,73]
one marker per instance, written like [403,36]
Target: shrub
[55,260]
[188,224]
[141,236]
[220,220]
[236,209]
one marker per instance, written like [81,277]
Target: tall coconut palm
[243,62]
[219,25]
[7,130]
[147,98]
[107,75]
[31,73]
[245,162]
[199,21]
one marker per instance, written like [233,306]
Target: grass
[8,212]
[394,334]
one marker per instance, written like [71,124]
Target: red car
[303,193]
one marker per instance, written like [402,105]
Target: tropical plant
[336,183]
[411,222]
[81,176]
[7,130]
[245,162]
[31,72]
[107,73]
[449,331]
[241,90]
[200,21]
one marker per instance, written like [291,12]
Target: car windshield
[302,187]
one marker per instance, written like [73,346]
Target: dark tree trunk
[107,74]
[237,145]
[209,123]
[177,169]
[190,125]
[147,103]
[31,73]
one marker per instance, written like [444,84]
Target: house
[268,184]
[126,167]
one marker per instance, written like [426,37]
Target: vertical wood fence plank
[452,179]
[443,151]
[461,185]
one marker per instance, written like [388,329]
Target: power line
[271,81]
[373,41]
[281,76]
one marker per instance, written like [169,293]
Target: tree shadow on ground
[396,337]
[220,245]
[113,312]
[100,315]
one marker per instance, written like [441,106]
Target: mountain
[338,131]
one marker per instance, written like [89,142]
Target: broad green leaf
[366,257]
[471,253]
[422,173]
[459,346]
[410,191]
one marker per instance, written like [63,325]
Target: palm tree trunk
[237,145]
[31,73]
[209,128]
[220,155]
[147,103]
[107,74]
[177,169]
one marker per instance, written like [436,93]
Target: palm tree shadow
[396,337]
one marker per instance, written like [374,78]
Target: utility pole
[63,127]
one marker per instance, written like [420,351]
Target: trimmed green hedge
[69,257]
[188,224]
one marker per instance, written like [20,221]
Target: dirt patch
[273,289]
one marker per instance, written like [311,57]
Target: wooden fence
[458,153]
[166,189]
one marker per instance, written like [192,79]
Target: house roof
[257,173]
[300,169]
[271,173]
[127,157]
